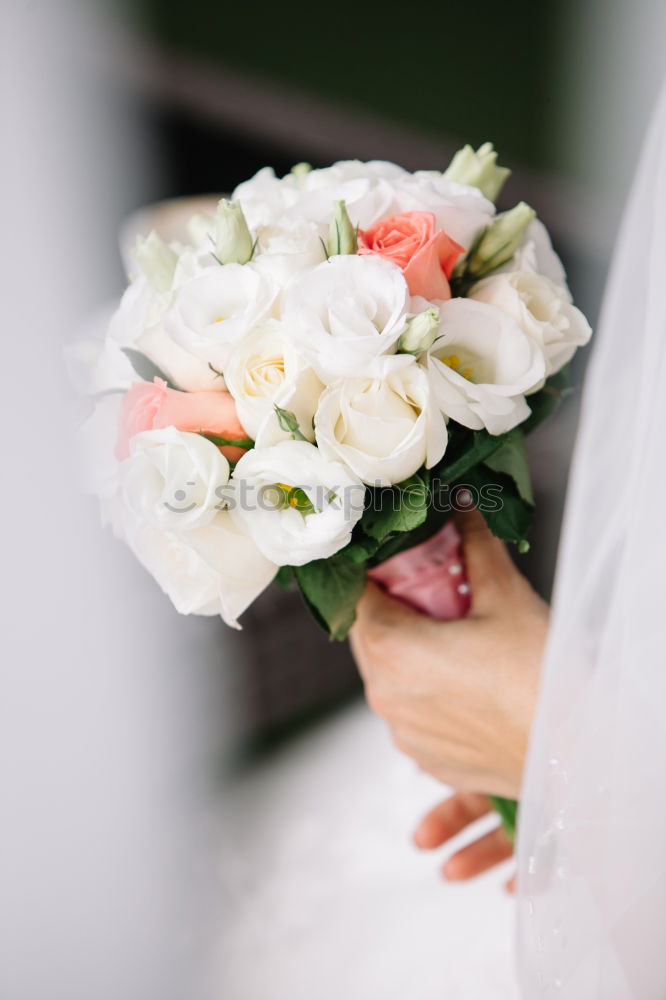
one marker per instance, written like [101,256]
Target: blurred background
[190,812]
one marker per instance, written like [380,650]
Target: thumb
[377,609]
[487,561]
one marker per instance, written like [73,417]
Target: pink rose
[425,255]
[151,406]
[430,577]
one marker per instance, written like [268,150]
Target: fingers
[478,857]
[378,617]
[376,608]
[487,560]
[449,818]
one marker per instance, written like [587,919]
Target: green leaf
[544,402]
[508,813]
[147,369]
[223,442]
[332,588]
[361,548]
[397,508]
[511,458]
[284,577]
[288,422]
[394,544]
[469,449]
[508,516]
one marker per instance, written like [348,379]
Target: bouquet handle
[431,577]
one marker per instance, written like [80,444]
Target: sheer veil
[592,838]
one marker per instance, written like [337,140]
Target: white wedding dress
[592,838]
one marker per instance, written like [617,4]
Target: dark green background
[467,72]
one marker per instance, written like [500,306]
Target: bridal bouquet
[327,367]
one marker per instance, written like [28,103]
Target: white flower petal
[266,370]
[347,313]
[288,536]
[384,429]
[214,570]
[541,308]
[212,313]
[481,366]
[173,478]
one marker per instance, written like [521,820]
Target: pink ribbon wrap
[430,577]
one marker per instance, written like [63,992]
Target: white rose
[541,308]
[138,323]
[366,189]
[462,211]
[265,197]
[265,370]
[347,315]
[211,313]
[296,505]
[101,365]
[213,570]
[482,365]
[173,489]
[371,191]
[310,195]
[383,429]
[285,251]
[173,478]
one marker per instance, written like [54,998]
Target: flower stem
[508,813]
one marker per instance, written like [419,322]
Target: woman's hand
[459,696]
[450,818]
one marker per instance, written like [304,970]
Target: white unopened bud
[300,169]
[233,242]
[478,169]
[500,240]
[420,332]
[341,234]
[156,260]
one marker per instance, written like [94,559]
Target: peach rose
[152,406]
[425,255]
